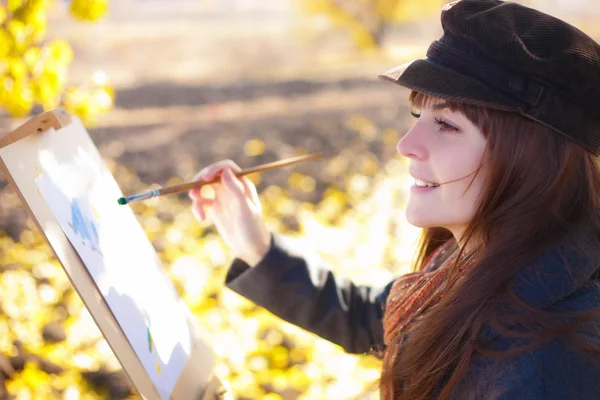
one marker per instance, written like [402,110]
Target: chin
[420,221]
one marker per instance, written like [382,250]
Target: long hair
[540,188]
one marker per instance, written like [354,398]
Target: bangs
[423,100]
[478,115]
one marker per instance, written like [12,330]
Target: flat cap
[510,57]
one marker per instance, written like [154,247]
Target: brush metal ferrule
[143,196]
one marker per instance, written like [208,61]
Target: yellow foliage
[34,70]
[258,355]
[362,18]
[89,10]
[254,147]
[409,10]
[60,52]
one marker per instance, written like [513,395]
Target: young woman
[504,301]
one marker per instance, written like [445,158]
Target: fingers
[200,208]
[201,205]
[240,187]
[207,173]
[196,194]
[232,183]
[210,171]
[250,191]
[198,212]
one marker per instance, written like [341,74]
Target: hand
[235,210]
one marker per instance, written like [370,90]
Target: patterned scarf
[412,294]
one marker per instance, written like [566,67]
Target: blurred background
[166,87]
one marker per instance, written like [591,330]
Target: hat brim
[435,80]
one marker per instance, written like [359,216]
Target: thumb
[232,183]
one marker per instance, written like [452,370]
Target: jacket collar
[559,271]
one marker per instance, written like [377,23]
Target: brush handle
[184,187]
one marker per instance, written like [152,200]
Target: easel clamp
[57,119]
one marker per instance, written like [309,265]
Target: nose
[412,145]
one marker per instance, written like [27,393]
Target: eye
[445,126]
[415,113]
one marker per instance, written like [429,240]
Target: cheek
[462,202]
[450,204]
[464,196]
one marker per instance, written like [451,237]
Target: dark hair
[541,187]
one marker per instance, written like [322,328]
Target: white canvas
[82,195]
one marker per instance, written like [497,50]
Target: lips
[421,183]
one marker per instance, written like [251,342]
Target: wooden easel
[19,155]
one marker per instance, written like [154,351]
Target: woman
[504,301]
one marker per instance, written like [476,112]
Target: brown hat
[510,57]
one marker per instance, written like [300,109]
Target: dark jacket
[295,284]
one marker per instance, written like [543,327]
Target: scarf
[412,294]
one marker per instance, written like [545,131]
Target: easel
[20,150]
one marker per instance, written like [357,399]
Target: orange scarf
[413,293]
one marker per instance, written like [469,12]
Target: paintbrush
[184,187]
